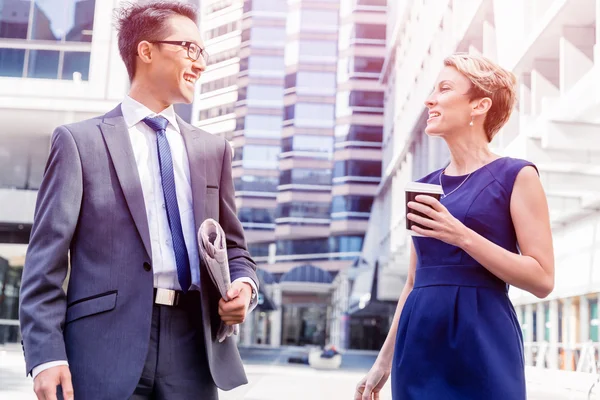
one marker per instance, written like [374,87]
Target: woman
[456,332]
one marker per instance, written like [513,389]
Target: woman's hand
[369,387]
[443,225]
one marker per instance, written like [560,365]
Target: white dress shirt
[145,152]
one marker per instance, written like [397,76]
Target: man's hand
[233,311]
[45,383]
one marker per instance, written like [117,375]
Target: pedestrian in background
[125,193]
[455,334]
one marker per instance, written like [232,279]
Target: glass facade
[352,203]
[22,161]
[10,284]
[303,209]
[303,176]
[357,168]
[321,145]
[258,156]
[256,215]
[252,183]
[55,32]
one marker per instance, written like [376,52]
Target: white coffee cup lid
[423,187]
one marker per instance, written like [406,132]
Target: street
[271,377]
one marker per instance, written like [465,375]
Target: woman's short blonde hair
[489,80]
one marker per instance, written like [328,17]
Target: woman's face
[449,106]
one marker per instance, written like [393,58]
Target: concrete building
[296,86]
[552,48]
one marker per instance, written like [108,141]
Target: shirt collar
[134,112]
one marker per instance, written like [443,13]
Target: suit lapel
[115,132]
[196,151]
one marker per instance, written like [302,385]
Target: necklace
[444,195]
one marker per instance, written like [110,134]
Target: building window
[264,96]
[346,244]
[266,5]
[217,6]
[311,115]
[217,111]
[12,62]
[366,64]
[223,56]
[262,126]
[49,26]
[358,133]
[303,209]
[308,143]
[258,156]
[302,246]
[223,30]
[352,203]
[252,183]
[268,37]
[22,161]
[258,249]
[217,84]
[594,322]
[369,31]
[316,83]
[303,176]
[256,215]
[266,66]
[357,168]
[318,20]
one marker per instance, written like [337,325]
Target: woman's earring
[471,123]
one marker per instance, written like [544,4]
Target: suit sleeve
[42,301]
[240,263]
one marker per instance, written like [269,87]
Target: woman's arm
[373,382]
[387,350]
[533,269]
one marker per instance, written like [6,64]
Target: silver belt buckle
[165,297]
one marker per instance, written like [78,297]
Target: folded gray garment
[213,250]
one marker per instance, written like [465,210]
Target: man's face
[172,70]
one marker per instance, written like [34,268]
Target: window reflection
[303,176]
[256,215]
[311,143]
[61,20]
[351,203]
[258,156]
[14,18]
[303,210]
[360,168]
[43,64]
[358,133]
[22,161]
[251,183]
[263,126]
[12,62]
[76,62]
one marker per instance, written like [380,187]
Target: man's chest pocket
[211,206]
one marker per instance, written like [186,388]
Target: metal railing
[574,357]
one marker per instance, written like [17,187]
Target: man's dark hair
[146,20]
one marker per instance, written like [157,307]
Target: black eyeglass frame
[188,45]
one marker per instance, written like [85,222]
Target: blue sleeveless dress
[458,336]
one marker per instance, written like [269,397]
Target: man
[126,193]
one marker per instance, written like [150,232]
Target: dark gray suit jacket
[91,204]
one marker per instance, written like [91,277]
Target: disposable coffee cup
[412,190]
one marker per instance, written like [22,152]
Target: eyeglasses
[194,51]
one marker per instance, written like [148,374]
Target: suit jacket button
[147,266]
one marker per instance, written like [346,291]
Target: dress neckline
[463,176]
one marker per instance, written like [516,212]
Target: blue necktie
[159,125]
